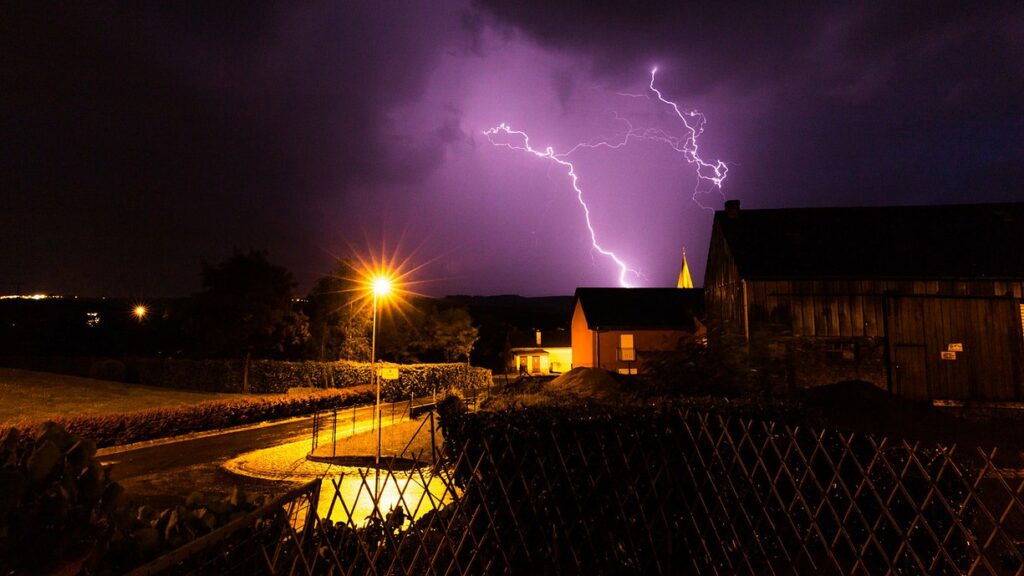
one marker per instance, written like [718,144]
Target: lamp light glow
[381,286]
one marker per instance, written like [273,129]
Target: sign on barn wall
[927,336]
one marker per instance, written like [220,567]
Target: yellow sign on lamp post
[388,372]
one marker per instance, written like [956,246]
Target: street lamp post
[381,287]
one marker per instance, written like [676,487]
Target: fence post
[334,433]
[433,444]
[315,418]
[311,514]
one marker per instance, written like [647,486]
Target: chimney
[537,332]
[732,209]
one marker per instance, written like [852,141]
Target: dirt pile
[586,383]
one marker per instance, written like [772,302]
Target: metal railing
[683,492]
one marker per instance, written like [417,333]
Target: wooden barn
[925,301]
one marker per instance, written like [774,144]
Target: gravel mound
[587,383]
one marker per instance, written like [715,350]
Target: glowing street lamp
[381,286]
[386,280]
[140,312]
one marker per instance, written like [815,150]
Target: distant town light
[28,297]
[140,311]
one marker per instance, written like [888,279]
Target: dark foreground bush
[60,513]
[130,427]
[54,499]
[620,490]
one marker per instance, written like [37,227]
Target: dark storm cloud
[854,102]
[193,128]
[138,140]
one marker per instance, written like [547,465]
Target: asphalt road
[165,473]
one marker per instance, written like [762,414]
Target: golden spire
[684,274]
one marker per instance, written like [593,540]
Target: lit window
[627,370]
[626,351]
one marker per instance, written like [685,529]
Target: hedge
[265,376]
[114,429]
[271,376]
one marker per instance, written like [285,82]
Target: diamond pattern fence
[677,492]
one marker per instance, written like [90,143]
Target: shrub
[140,535]
[271,376]
[113,429]
[55,499]
[61,513]
[267,376]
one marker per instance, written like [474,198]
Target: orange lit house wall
[584,343]
[582,339]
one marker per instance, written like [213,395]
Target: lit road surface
[164,473]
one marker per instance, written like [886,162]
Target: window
[626,352]
[627,370]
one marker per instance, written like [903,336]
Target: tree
[247,308]
[427,333]
[715,362]
[339,317]
[449,332]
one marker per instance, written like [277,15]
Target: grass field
[32,396]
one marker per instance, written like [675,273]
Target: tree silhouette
[339,320]
[247,309]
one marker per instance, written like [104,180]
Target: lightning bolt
[549,154]
[712,173]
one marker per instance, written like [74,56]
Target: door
[909,372]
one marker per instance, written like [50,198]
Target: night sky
[139,141]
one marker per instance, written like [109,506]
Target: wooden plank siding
[905,314]
[829,308]
[723,290]
[989,330]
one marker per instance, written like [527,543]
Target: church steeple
[684,274]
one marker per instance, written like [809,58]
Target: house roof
[971,241]
[555,338]
[641,308]
[523,351]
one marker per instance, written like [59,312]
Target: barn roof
[641,308]
[971,241]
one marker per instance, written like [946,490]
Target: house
[925,301]
[550,352]
[613,328]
